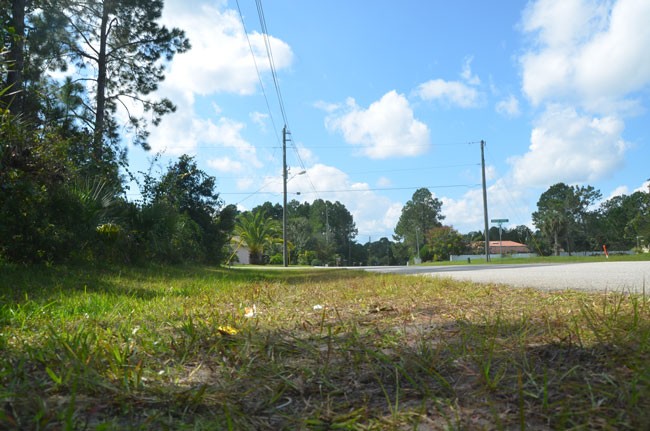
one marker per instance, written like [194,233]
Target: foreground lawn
[173,348]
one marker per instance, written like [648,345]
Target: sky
[384,97]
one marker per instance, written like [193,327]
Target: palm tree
[554,224]
[257,231]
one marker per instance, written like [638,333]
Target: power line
[382,189]
[427,168]
[401,145]
[379,189]
[257,70]
[269,52]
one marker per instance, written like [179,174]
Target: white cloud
[467,74]
[451,92]
[505,200]
[592,53]
[645,187]
[245,183]
[327,107]
[259,119]
[586,61]
[306,155]
[373,214]
[618,191]
[181,132]
[384,182]
[226,164]
[220,59]
[508,107]
[566,146]
[386,129]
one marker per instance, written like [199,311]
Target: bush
[306,257]
[316,262]
[276,259]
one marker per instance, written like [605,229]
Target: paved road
[618,276]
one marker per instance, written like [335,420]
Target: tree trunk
[98,141]
[16,58]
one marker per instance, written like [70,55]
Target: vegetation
[322,232]
[257,232]
[63,166]
[419,215]
[172,348]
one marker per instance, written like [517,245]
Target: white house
[240,250]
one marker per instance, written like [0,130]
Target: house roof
[506,244]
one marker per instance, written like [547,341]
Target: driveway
[616,276]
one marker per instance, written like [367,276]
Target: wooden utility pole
[285,254]
[485,208]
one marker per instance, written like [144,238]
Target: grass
[172,348]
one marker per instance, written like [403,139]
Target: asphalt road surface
[611,276]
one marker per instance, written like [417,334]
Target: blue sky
[384,97]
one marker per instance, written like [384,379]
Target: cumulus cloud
[220,59]
[585,62]
[505,200]
[645,187]
[226,164]
[373,214]
[618,191]
[182,131]
[305,154]
[587,52]
[571,147]
[508,107]
[454,93]
[387,128]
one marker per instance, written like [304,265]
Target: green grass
[154,348]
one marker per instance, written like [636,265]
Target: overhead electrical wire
[269,52]
[257,70]
[448,186]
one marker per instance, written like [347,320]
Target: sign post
[499,222]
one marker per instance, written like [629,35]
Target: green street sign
[499,220]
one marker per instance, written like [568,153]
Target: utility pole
[485,208]
[285,254]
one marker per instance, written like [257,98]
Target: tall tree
[624,221]
[14,32]
[444,241]
[192,192]
[562,214]
[335,223]
[419,215]
[121,50]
